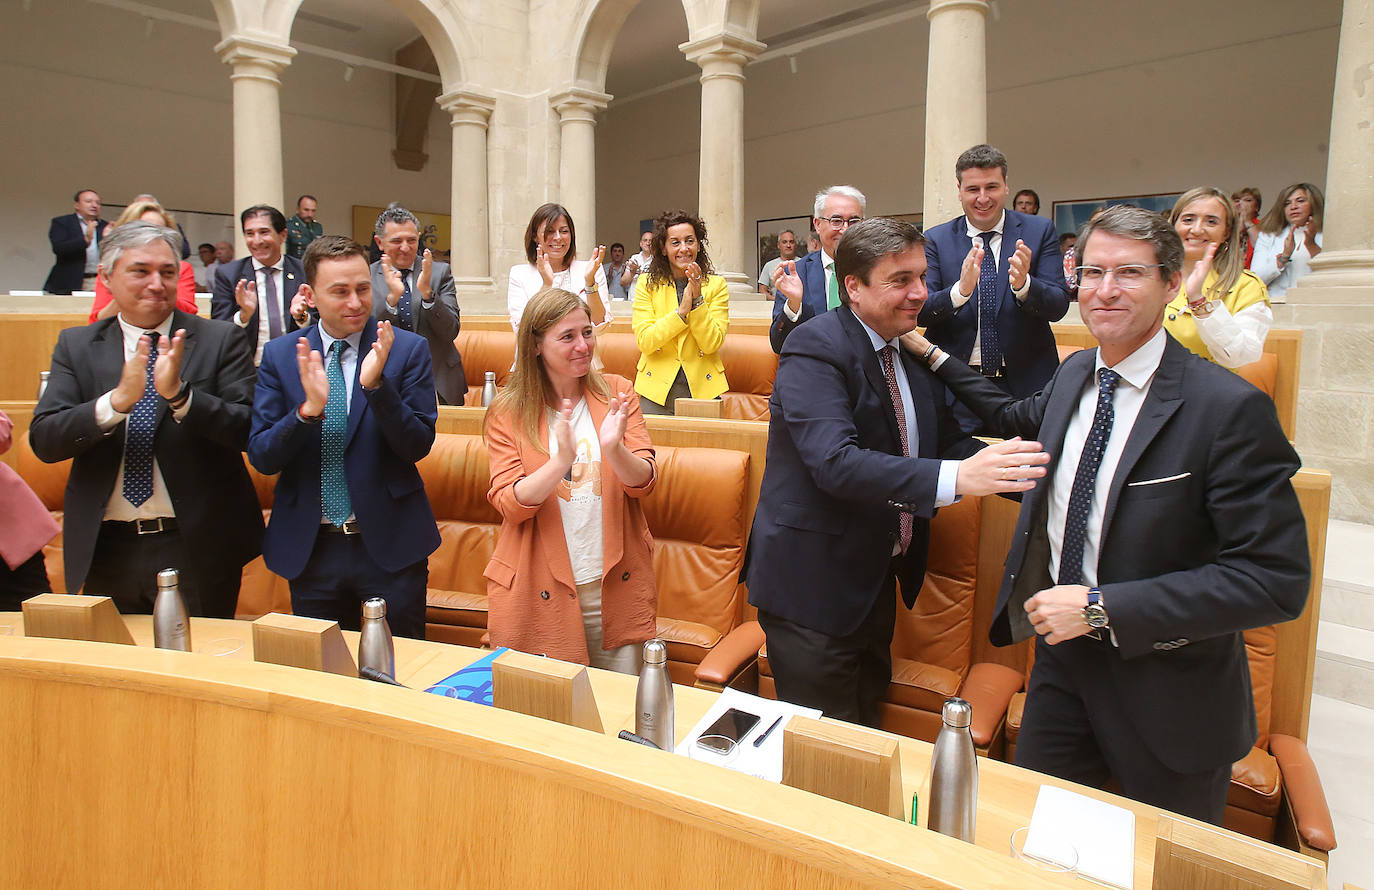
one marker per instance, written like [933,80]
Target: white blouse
[1265,262]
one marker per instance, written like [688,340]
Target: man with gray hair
[154,406]
[417,294]
[787,252]
[1167,527]
[808,288]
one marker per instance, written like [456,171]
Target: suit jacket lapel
[358,401]
[1164,398]
[862,347]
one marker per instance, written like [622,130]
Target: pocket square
[1174,478]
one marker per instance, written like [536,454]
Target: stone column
[470,225]
[722,58]
[255,65]
[956,99]
[577,109]
[1334,304]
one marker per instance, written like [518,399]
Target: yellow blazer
[667,343]
[1178,321]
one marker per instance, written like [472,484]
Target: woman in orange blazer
[572,576]
[25,527]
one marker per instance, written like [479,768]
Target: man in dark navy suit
[862,449]
[343,412]
[996,281]
[809,287]
[75,239]
[260,293]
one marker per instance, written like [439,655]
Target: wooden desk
[396,780]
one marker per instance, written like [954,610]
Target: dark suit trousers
[18,584]
[341,575]
[1077,727]
[846,677]
[125,566]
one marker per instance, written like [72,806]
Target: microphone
[637,739]
[371,673]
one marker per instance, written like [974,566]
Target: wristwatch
[1095,612]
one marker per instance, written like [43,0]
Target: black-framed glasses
[839,222]
[1127,277]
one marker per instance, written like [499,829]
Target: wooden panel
[69,617]
[697,407]
[843,763]
[310,643]
[1297,640]
[545,688]
[1192,856]
[29,341]
[233,773]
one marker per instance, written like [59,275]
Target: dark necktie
[273,304]
[333,483]
[989,349]
[1085,481]
[403,314]
[890,372]
[138,437]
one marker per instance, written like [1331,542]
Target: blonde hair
[1229,260]
[528,392]
[134,212]
[1275,221]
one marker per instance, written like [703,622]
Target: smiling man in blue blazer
[809,287]
[996,280]
[862,450]
[343,412]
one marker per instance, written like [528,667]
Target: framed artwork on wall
[435,230]
[767,232]
[1069,216]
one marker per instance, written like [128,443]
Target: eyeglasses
[1127,277]
[839,222]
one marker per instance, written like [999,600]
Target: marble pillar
[469,114]
[956,99]
[577,109]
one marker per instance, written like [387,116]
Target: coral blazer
[531,598]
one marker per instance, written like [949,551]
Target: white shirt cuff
[106,417]
[239,319]
[1019,293]
[180,414]
[955,298]
[791,316]
[944,488]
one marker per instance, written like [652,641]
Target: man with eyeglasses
[996,281]
[1168,526]
[808,287]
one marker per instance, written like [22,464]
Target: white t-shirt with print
[579,497]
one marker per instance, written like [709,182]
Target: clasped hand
[166,373]
[1018,267]
[1056,613]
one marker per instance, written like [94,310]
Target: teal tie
[333,485]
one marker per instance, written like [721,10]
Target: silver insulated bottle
[954,774]
[488,388]
[654,697]
[374,645]
[43,383]
[171,626]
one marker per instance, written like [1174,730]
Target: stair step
[1345,663]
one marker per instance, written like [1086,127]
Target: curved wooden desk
[128,766]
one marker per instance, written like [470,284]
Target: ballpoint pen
[774,725]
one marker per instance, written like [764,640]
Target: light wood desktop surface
[1006,793]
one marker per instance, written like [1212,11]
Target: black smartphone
[722,736]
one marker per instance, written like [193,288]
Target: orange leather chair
[750,366]
[484,351]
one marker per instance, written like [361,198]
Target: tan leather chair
[482,351]
[457,476]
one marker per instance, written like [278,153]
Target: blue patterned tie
[403,313]
[1085,481]
[988,347]
[138,437]
[333,485]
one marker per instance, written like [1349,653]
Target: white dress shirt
[1137,372]
[261,273]
[117,508]
[995,248]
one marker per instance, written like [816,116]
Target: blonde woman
[150,212]
[1290,236]
[1222,311]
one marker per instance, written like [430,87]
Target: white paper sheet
[764,761]
[1103,835]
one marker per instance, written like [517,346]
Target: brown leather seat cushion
[457,476]
[1263,374]
[1255,783]
[921,686]
[938,630]
[619,353]
[750,367]
[484,351]
[48,481]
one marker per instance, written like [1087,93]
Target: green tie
[832,288]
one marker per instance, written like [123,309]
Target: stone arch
[598,25]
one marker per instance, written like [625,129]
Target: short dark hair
[274,216]
[204,244]
[1063,239]
[615,244]
[1031,192]
[865,243]
[547,215]
[329,247]
[660,270]
[79,192]
[303,197]
[984,157]
[1138,224]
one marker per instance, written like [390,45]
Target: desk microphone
[637,739]
[371,673]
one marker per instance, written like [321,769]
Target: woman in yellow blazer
[1222,310]
[681,313]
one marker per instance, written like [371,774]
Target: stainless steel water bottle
[488,388]
[375,649]
[654,697]
[43,383]
[954,774]
[171,626]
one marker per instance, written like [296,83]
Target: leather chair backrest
[457,475]
[484,351]
[696,513]
[1263,374]
[619,353]
[1261,647]
[939,629]
[48,481]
